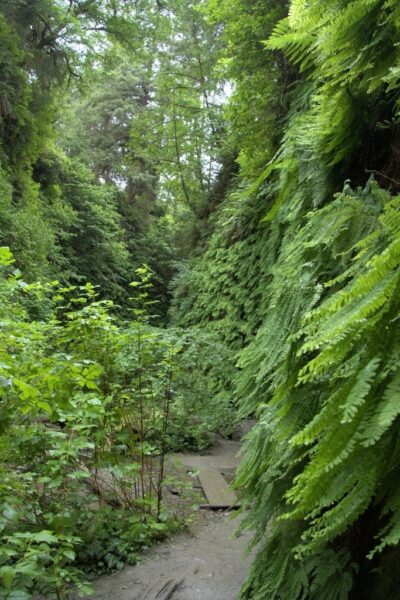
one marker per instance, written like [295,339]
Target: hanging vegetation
[311,288]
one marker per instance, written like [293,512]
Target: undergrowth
[90,406]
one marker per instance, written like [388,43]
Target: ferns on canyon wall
[316,326]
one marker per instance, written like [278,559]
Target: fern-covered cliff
[301,275]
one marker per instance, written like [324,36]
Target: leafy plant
[90,407]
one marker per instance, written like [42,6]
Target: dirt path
[206,562]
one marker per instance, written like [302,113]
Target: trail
[206,562]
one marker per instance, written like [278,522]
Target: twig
[375,172]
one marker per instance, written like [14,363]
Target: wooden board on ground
[164,588]
[216,490]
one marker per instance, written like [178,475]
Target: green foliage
[94,248]
[92,215]
[306,278]
[115,538]
[224,289]
[88,409]
[320,442]
[204,401]
[257,102]
[293,278]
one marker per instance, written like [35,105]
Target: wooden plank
[164,588]
[169,589]
[216,490]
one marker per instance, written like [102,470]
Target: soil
[206,562]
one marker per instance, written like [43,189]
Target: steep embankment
[312,293]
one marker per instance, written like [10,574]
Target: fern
[302,277]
